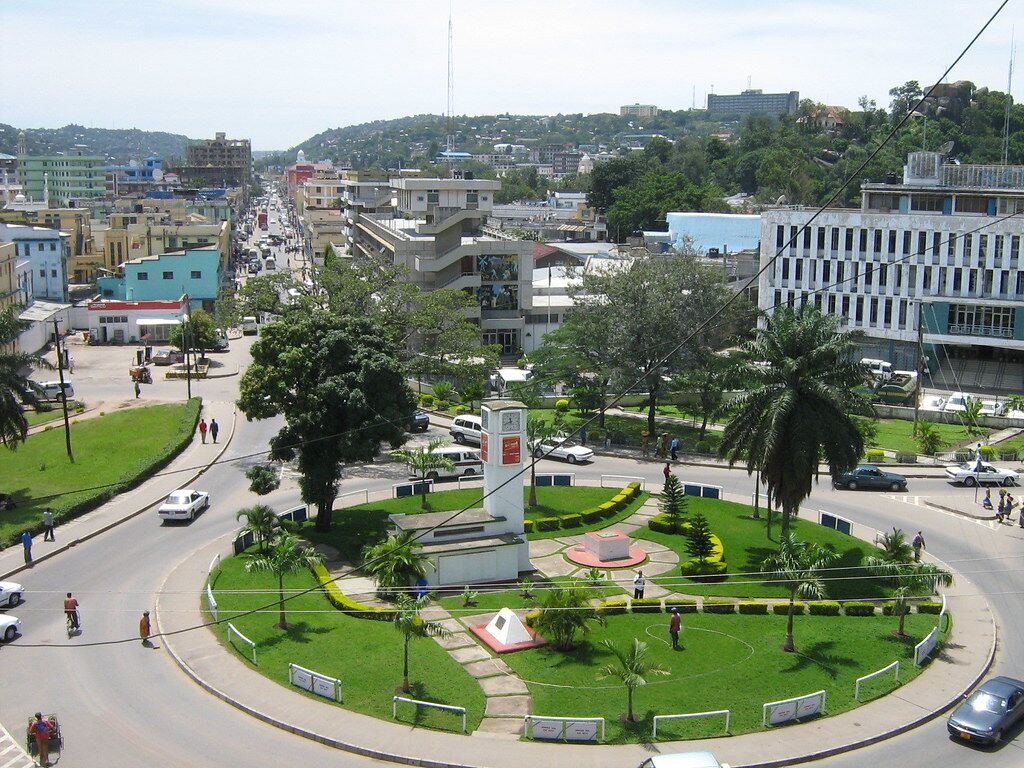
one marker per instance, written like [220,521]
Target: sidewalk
[185,468]
[965,658]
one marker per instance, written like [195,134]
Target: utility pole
[185,345]
[920,361]
[63,393]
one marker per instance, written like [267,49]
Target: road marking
[21,758]
[920,501]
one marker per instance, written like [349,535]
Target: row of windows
[534,319]
[107,319]
[42,273]
[26,248]
[886,241]
[196,274]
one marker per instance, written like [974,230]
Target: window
[143,276]
[878,240]
[53,273]
[922,242]
[780,236]
[892,241]
[168,275]
[821,238]
[785,269]
[874,311]
[849,239]
[967,246]
[997,245]
[887,313]
[196,274]
[927,279]
[882,276]
[42,273]
[936,241]
[859,312]
[799,267]
[835,238]
[863,240]
[846,306]
[903,314]
[826,271]
[53,246]
[1014,246]
[807,237]
[957,279]
[982,246]
[951,244]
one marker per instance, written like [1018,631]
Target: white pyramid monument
[508,629]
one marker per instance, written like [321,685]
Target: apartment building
[9,288]
[132,235]
[167,277]
[753,102]
[939,251]
[63,179]
[638,110]
[322,190]
[218,162]
[438,233]
[44,254]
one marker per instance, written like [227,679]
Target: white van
[249,326]
[879,369]
[466,462]
[270,263]
[466,429]
[501,380]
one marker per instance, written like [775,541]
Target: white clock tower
[503,449]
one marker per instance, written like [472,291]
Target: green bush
[712,605]
[635,486]
[702,446]
[647,605]
[547,523]
[824,608]
[461,409]
[929,607]
[661,524]
[612,607]
[592,515]
[571,521]
[530,617]
[704,572]
[875,455]
[859,609]
[443,405]
[528,526]
[561,405]
[621,500]
[607,509]
[987,451]
[426,399]
[754,609]
[343,602]
[889,608]
[782,609]
[683,604]
[522,362]
[906,458]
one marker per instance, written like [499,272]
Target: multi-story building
[44,252]
[9,288]
[166,277]
[753,102]
[10,187]
[134,234]
[63,179]
[638,110]
[218,162]
[438,234]
[939,252]
[564,163]
[322,190]
[83,258]
[136,177]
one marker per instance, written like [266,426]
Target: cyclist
[71,609]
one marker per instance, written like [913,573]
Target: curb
[960,512]
[124,518]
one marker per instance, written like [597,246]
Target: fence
[211,603]
[552,479]
[214,563]
[365,494]
[717,712]
[295,514]
[704,491]
[627,478]
[924,649]
[856,688]
[243,541]
[243,638]
[447,707]
[401,490]
[776,712]
[943,613]
[564,728]
[314,682]
[835,522]
[468,479]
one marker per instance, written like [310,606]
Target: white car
[9,627]
[10,594]
[969,474]
[184,504]
[567,451]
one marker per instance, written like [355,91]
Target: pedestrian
[202,429]
[145,629]
[1010,504]
[583,435]
[48,525]
[214,429]
[674,624]
[26,542]
[667,470]
[40,729]
[674,449]
[1001,509]
[918,544]
[987,501]
[138,390]
[71,364]
[638,586]
[663,446]
[645,438]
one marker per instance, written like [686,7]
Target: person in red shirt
[40,729]
[71,609]
[202,429]
[674,625]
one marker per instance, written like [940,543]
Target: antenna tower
[1009,104]
[450,107]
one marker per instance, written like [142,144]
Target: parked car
[167,357]
[50,390]
[988,712]
[9,627]
[10,593]
[683,760]
[419,422]
[184,505]
[970,474]
[249,325]
[567,451]
[869,476]
[466,462]
[466,429]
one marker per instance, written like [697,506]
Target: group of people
[75,620]
[1005,506]
[213,429]
[674,622]
[48,535]
[667,448]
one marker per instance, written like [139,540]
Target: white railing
[243,638]
[447,707]
[211,603]
[776,712]
[560,731]
[924,649]
[628,478]
[213,564]
[725,712]
[365,494]
[469,479]
[314,682]
[856,688]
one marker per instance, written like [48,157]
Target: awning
[156,321]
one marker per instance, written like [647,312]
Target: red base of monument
[580,555]
[480,630]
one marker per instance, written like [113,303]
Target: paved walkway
[188,465]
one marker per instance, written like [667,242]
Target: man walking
[674,625]
[202,429]
[666,470]
[214,429]
[663,446]
[638,586]
[138,390]
[673,449]
[48,525]
[26,542]
[918,544]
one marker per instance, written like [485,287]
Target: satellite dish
[158,175]
[781,200]
[946,148]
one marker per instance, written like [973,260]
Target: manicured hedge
[824,608]
[719,606]
[621,500]
[547,523]
[608,508]
[758,609]
[859,609]
[647,605]
[612,607]
[343,602]
[528,526]
[662,524]
[889,608]
[530,617]
[592,515]
[572,520]
[782,609]
[704,572]
[929,607]
[875,455]
[683,604]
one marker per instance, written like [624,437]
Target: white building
[121,321]
[42,256]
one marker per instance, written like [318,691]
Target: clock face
[511,421]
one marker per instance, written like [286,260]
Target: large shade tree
[342,393]
[799,409]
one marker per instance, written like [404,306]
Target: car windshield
[982,701]
[178,498]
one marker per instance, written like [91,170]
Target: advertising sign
[511,450]
[483,446]
[810,705]
[301,678]
[780,713]
[777,712]
[581,731]
[323,687]
[546,729]
[923,649]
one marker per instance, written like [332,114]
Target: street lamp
[185,323]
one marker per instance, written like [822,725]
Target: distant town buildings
[753,102]
[638,110]
[63,179]
[218,162]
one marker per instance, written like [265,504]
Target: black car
[870,476]
[989,712]
[419,422]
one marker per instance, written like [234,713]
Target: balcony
[981,330]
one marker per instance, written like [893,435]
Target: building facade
[9,291]
[166,277]
[638,110]
[45,254]
[753,102]
[121,322]
[218,162]
[63,179]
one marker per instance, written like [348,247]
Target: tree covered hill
[119,145]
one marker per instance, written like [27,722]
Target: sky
[281,71]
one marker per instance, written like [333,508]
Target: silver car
[989,712]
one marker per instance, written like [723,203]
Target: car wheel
[432,476]
[469,472]
[970,482]
[10,633]
[538,453]
[1008,482]
[895,487]
[460,438]
[852,485]
[14,599]
[571,459]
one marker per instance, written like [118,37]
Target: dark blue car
[989,712]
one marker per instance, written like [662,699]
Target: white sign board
[924,649]
[777,712]
[301,678]
[780,713]
[546,729]
[311,681]
[581,731]
[324,687]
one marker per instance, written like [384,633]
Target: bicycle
[74,623]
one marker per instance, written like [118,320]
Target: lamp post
[63,392]
[185,323]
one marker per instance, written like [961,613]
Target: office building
[753,102]
[638,110]
[65,179]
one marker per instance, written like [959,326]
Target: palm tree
[798,566]
[895,547]
[424,462]
[564,612]
[633,670]
[14,383]
[910,579]
[538,432]
[395,562]
[262,521]
[408,621]
[287,555]
[800,406]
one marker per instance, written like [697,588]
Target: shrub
[929,607]
[875,455]
[530,617]
[607,509]
[824,608]
[704,572]
[343,602]
[781,609]
[621,500]
[426,399]
[987,452]
[889,608]
[635,486]
[700,544]
[592,515]
[547,523]
[528,526]
[612,607]
[561,405]
[647,605]
[859,609]
[684,605]
[719,606]
[702,446]
[460,409]
[906,458]
[443,405]
[754,609]
[571,521]
[661,524]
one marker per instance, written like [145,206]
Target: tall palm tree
[261,520]
[800,405]
[564,612]
[423,461]
[395,562]
[14,384]
[910,579]
[633,670]
[408,621]
[287,555]
[798,566]
[895,547]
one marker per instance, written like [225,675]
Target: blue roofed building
[166,277]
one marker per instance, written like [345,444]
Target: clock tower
[503,449]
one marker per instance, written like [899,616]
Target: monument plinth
[606,549]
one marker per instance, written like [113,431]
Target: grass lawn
[746,546]
[365,655]
[496,599]
[112,452]
[728,662]
[626,431]
[898,435]
[36,418]
[679,412]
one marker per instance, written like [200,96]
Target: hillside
[119,145]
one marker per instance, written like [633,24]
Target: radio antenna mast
[450,107]
[1009,104]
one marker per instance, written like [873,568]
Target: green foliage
[14,382]
[672,503]
[906,458]
[396,562]
[564,613]
[343,602]
[443,389]
[548,523]
[562,405]
[712,605]
[875,455]
[646,605]
[612,607]
[929,441]
[468,596]
[685,605]
[929,607]
[426,399]
[753,609]
[858,609]
[632,669]
[528,526]
[823,608]
[781,609]
[199,332]
[424,460]
[287,555]
[262,479]
[704,572]
[261,520]
[526,588]
[698,538]
[799,566]
[411,625]
[572,520]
